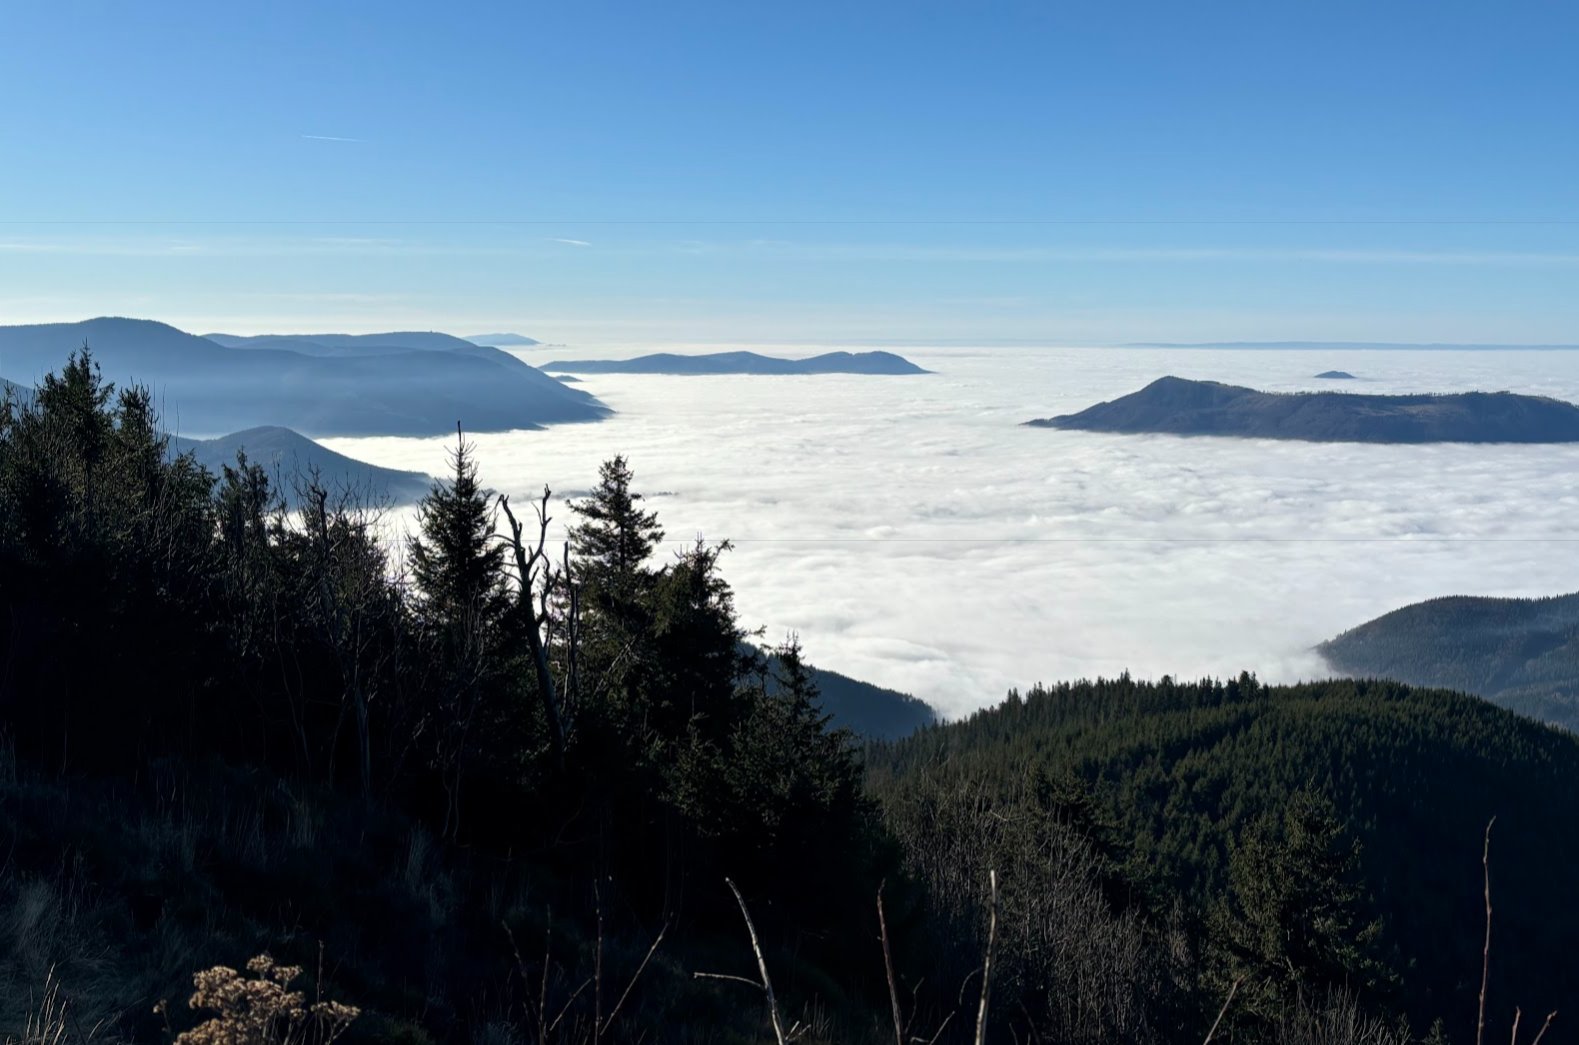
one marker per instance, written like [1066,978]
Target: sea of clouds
[916,536]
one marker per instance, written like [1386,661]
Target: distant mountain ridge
[1520,653]
[503,340]
[394,341]
[870,711]
[875,363]
[335,385]
[286,456]
[1176,406]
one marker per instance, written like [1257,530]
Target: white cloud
[917,537]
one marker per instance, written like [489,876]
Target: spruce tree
[456,564]
[615,537]
[458,569]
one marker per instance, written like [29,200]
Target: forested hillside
[1521,653]
[1218,820]
[489,790]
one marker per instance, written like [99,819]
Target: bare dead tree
[528,561]
[888,969]
[766,984]
[1485,955]
[986,965]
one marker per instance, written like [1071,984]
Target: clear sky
[745,170]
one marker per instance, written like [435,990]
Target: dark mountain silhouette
[1336,375]
[1180,407]
[1520,653]
[288,456]
[503,340]
[872,711]
[346,388]
[885,363]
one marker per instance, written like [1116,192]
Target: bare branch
[1485,956]
[1232,990]
[986,965]
[639,969]
[725,976]
[762,965]
[888,968]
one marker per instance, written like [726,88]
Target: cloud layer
[917,537]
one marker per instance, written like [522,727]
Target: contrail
[332,138]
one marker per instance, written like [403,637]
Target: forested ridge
[485,788]
[1520,653]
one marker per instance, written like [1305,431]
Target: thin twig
[1517,1014]
[597,969]
[542,997]
[725,976]
[1232,990]
[888,967]
[520,964]
[1485,955]
[986,965]
[639,969]
[1548,1023]
[941,1028]
[568,1002]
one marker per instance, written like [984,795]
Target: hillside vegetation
[1520,653]
[1183,786]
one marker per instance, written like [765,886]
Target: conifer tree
[455,562]
[616,537]
[458,569]
[1297,920]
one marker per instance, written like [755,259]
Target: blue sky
[811,171]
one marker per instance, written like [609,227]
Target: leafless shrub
[261,1009]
